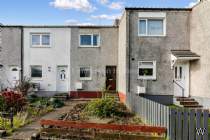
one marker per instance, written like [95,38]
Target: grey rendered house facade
[166,53]
[10,56]
[153,52]
[93,62]
[152,49]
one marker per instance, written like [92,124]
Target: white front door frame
[62,78]
[181,78]
[14,75]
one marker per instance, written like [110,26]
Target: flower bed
[86,120]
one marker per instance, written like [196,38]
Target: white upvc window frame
[178,72]
[40,40]
[150,16]
[85,78]
[147,35]
[36,78]
[90,46]
[154,67]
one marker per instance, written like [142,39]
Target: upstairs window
[92,40]
[40,40]
[147,70]
[151,27]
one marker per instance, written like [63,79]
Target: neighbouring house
[47,57]
[10,56]
[94,51]
[164,54]
[149,37]
[200,43]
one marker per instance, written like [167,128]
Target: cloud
[191,4]
[76,22]
[80,5]
[106,17]
[116,5]
[104,1]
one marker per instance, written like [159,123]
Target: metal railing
[182,88]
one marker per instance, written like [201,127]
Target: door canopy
[182,55]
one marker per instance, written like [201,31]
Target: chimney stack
[116,22]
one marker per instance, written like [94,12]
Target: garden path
[27,131]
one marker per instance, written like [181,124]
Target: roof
[61,26]
[183,53]
[158,9]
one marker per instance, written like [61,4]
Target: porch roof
[179,54]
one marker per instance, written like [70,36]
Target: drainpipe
[21,63]
[129,50]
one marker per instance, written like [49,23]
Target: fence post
[192,125]
[198,123]
[205,123]
[185,123]
[172,124]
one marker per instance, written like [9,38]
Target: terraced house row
[159,53]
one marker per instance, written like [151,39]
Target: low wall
[85,94]
[162,99]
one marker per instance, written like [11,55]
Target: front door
[111,77]
[62,82]
[14,76]
[181,79]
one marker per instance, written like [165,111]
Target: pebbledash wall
[200,43]
[97,58]
[158,49]
[50,58]
[10,56]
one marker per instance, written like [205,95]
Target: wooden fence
[181,124]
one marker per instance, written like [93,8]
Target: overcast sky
[62,12]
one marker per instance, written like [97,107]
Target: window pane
[84,72]
[155,27]
[180,72]
[95,40]
[35,39]
[45,39]
[142,27]
[145,72]
[85,40]
[175,72]
[36,71]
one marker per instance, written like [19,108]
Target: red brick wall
[122,97]
[85,94]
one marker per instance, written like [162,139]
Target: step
[193,106]
[189,103]
[185,99]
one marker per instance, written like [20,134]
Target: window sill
[147,78]
[36,79]
[85,79]
[151,35]
[89,46]
[47,46]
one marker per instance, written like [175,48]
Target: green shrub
[56,103]
[105,107]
